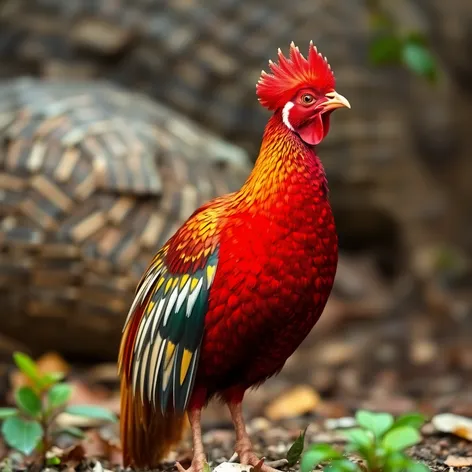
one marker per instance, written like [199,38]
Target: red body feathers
[276,266]
[240,285]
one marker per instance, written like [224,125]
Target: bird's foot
[197,465]
[248,457]
[261,466]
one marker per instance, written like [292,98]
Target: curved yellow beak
[335,100]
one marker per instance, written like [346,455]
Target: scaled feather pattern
[233,293]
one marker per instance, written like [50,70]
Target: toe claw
[179,467]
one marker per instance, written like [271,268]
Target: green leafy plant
[32,426]
[391,45]
[379,442]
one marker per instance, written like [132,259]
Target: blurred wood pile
[92,181]
[398,162]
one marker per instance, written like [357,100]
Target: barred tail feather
[146,435]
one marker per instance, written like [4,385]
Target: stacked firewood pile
[93,180]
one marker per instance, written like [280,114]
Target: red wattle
[313,133]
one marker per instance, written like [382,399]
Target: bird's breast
[272,283]
[276,268]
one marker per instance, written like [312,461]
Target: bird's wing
[164,329]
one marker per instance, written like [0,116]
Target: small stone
[259,424]
[336,423]
[456,461]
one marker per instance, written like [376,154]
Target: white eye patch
[288,106]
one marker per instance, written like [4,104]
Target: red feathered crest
[290,74]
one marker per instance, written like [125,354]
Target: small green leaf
[385,49]
[71,431]
[91,411]
[21,434]
[295,451]
[378,423]
[59,394]
[412,466]
[27,366]
[419,59]
[415,420]
[361,440]
[395,461]
[7,412]
[400,438]
[53,460]
[206,467]
[317,454]
[27,399]
[51,378]
[342,465]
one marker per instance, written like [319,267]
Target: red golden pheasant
[235,291]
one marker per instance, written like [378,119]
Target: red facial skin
[308,117]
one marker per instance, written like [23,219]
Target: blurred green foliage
[32,425]
[391,45]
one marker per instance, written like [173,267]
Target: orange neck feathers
[284,162]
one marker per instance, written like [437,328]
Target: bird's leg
[199,459]
[244,447]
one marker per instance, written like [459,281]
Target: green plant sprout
[32,426]
[379,441]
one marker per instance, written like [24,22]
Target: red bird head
[303,89]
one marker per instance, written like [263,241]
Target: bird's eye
[307,99]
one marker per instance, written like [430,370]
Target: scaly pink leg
[244,447]
[199,459]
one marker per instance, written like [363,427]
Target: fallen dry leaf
[299,400]
[95,446]
[456,461]
[455,424]
[82,393]
[335,353]
[71,456]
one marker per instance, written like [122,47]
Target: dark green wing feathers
[169,309]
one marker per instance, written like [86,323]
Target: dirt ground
[377,347]
[273,439]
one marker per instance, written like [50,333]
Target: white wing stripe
[143,327]
[170,305]
[157,316]
[193,297]
[182,296]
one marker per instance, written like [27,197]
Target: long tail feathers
[146,434]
